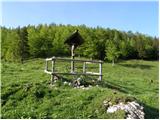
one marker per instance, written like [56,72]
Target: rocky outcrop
[132,109]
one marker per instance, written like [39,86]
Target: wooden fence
[53,72]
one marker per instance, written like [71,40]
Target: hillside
[26,92]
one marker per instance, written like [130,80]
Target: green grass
[26,92]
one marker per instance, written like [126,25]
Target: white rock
[82,86]
[89,86]
[65,83]
[55,81]
[112,109]
[55,78]
[110,103]
[86,88]
[133,110]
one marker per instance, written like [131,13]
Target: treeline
[44,41]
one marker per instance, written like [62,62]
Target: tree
[39,42]
[155,46]
[140,46]
[13,52]
[24,48]
[88,49]
[101,38]
[125,48]
[59,48]
[112,53]
[4,43]
[48,40]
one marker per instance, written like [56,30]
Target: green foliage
[40,43]
[24,48]
[19,44]
[112,52]
[13,49]
[125,48]
[59,48]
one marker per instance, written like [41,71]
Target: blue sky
[135,16]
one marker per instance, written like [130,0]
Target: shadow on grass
[150,112]
[104,84]
[118,87]
[136,66]
[113,86]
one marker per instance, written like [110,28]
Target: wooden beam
[70,59]
[94,74]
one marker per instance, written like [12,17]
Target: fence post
[53,66]
[72,57]
[72,64]
[53,70]
[100,71]
[84,67]
[46,67]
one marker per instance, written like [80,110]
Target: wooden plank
[48,59]
[87,73]
[69,59]
[76,73]
[93,73]
[88,62]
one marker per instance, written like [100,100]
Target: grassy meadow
[26,92]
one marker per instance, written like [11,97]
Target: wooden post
[53,69]
[53,66]
[46,67]
[72,57]
[84,67]
[100,71]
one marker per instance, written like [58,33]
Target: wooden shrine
[74,40]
